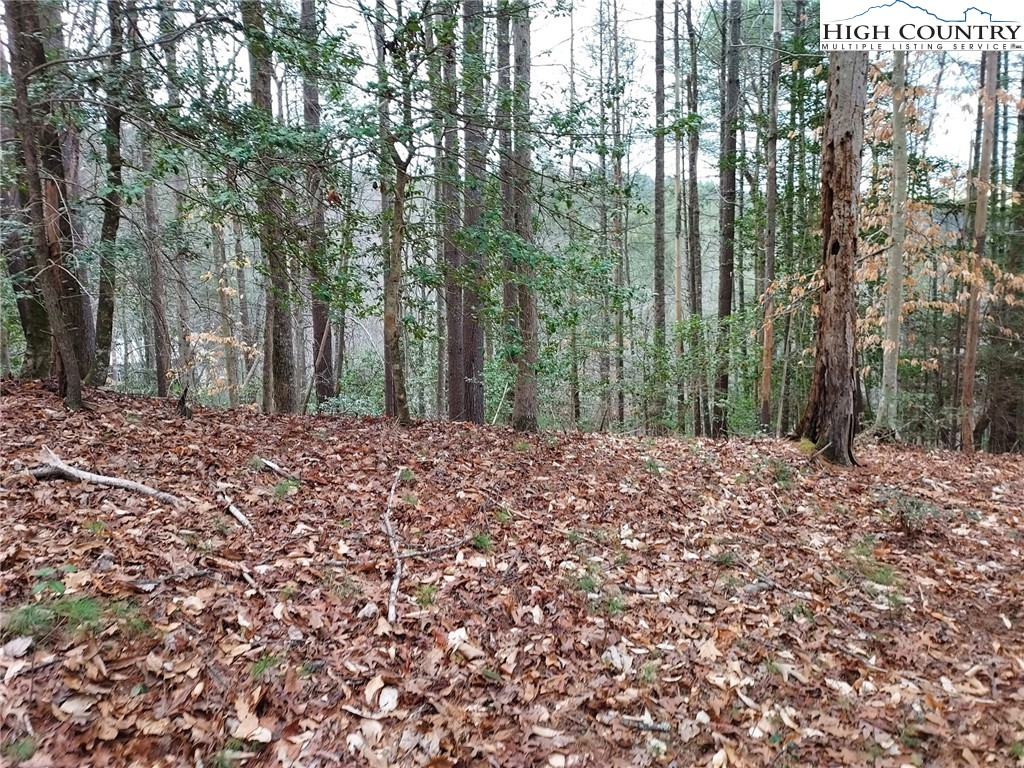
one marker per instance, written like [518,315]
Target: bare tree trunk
[885,422]
[41,156]
[524,403]
[281,362]
[693,254]
[656,417]
[226,322]
[31,305]
[967,416]
[473,72]
[111,200]
[450,204]
[727,166]
[771,221]
[323,356]
[830,420]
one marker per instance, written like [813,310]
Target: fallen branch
[389,530]
[53,467]
[234,511]
[645,724]
[275,468]
[436,550]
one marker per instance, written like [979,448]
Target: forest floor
[565,599]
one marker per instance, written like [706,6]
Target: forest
[416,210]
[493,383]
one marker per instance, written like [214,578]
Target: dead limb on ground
[52,467]
[389,530]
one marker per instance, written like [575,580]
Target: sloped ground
[581,600]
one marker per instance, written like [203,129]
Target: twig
[818,453]
[268,464]
[54,467]
[234,511]
[435,550]
[645,724]
[389,530]
[771,582]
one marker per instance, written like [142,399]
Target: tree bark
[473,71]
[111,200]
[885,421]
[967,416]
[281,362]
[31,306]
[47,201]
[524,402]
[693,253]
[830,419]
[656,415]
[727,253]
[452,211]
[771,222]
[323,356]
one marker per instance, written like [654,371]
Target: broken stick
[389,530]
[53,467]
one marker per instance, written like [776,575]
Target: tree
[18,254]
[524,402]
[830,419]
[885,422]
[473,74]
[657,407]
[727,176]
[316,238]
[43,168]
[111,200]
[771,221]
[989,61]
[279,364]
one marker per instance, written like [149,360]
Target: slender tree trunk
[885,422]
[281,362]
[693,253]
[111,200]
[323,356]
[473,72]
[728,162]
[977,279]
[524,402]
[678,230]
[41,158]
[830,420]
[226,312]
[771,221]
[450,204]
[656,420]
[35,326]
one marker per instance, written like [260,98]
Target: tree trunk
[47,205]
[693,254]
[885,421]
[450,204]
[323,356]
[977,279]
[727,171]
[830,420]
[524,403]
[29,299]
[771,222]
[111,200]
[473,72]
[656,416]
[281,363]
